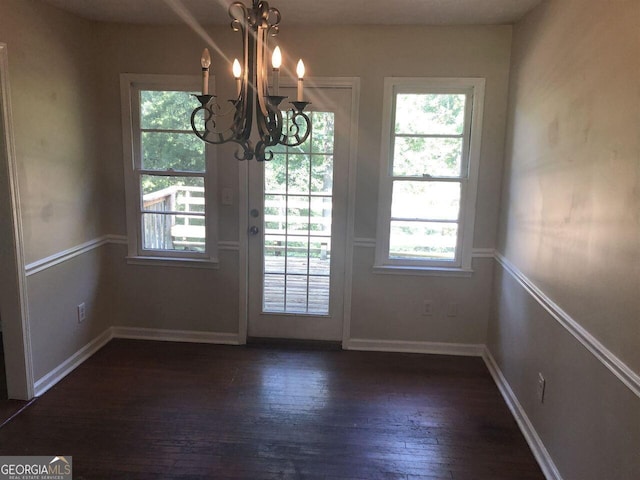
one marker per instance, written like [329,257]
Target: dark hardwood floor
[3,378]
[154,410]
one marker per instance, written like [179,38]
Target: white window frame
[130,86]
[474,88]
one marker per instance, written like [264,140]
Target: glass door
[297,218]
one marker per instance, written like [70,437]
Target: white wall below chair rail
[624,373]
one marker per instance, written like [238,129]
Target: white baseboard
[71,363]
[464,349]
[526,427]
[175,335]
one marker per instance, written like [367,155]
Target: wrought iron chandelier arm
[213,137]
[294,136]
[246,149]
[270,129]
[238,21]
[211,112]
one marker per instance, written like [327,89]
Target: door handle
[253,230]
[254,213]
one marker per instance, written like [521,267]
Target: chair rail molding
[110,239]
[620,369]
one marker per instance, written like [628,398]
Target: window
[429,170]
[298,209]
[170,212]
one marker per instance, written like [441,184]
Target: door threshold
[293,343]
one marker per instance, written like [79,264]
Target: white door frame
[13,296]
[243,204]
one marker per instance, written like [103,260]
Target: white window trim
[130,84]
[383,264]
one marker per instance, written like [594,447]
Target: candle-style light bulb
[276,61]
[300,72]
[237,69]
[237,73]
[276,58]
[205,61]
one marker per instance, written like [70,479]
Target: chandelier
[254,104]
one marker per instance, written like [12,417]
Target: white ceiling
[301,12]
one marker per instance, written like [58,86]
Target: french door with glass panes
[297,227]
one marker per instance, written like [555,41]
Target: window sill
[422,271]
[174,262]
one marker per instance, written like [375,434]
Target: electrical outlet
[82,313]
[452,309]
[427,308]
[541,387]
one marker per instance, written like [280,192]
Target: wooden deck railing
[181,230]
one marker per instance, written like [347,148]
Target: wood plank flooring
[143,410]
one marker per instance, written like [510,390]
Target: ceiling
[301,12]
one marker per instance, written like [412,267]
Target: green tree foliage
[428,114]
[294,161]
[428,130]
[167,140]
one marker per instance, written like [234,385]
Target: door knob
[253,230]
[254,213]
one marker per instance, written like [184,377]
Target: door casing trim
[16,333]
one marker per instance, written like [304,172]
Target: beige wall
[52,58]
[175,298]
[389,307]
[570,222]
[570,211]
[370,53]
[589,421]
